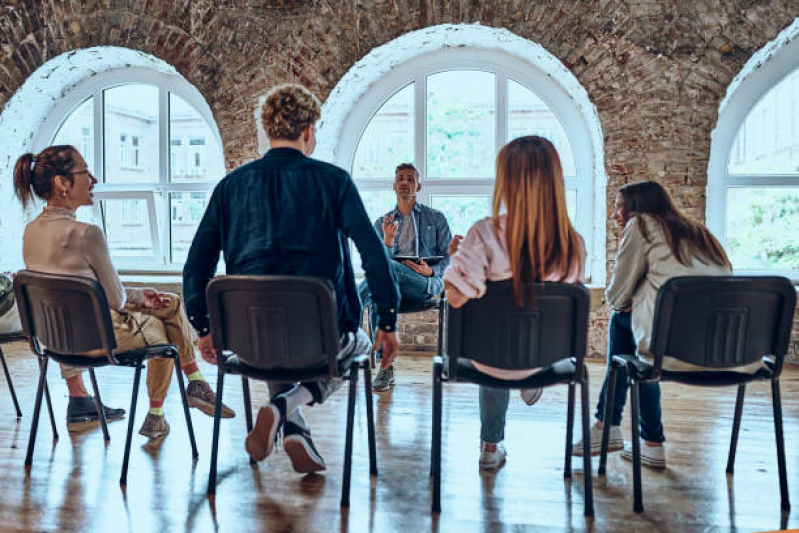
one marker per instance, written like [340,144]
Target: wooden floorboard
[73,485]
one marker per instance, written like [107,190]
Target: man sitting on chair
[288,214]
[411,229]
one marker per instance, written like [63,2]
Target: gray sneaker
[384,379]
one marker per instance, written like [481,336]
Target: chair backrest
[723,321]
[492,330]
[67,314]
[275,322]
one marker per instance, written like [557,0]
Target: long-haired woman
[658,242]
[528,238]
[55,242]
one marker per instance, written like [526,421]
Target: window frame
[760,75]
[166,83]
[504,66]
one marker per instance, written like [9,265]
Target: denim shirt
[432,238]
[288,214]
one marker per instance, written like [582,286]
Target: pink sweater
[483,256]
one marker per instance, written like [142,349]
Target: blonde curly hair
[289,108]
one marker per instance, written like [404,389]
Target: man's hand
[154,299]
[206,346]
[420,268]
[386,341]
[454,244]
[389,230]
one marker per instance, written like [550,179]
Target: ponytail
[34,174]
[23,174]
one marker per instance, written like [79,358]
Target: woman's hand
[154,299]
[206,346]
[454,244]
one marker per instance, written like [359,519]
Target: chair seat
[234,365]
[563,371]
[417,306]
[129,358]
[640,370]
[12,337]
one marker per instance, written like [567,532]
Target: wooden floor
[73,485]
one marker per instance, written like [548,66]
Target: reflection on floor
[73,485]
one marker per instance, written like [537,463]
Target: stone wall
[656,70]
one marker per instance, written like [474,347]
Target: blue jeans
[412,287]
[493,408]
[621,341]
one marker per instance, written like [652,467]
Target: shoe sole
[612,447]
[152,435]
[302,456]
[657,465]
[386,388]
[209,408]
[261,439]
[79,426]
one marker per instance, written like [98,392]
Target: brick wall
[656,71]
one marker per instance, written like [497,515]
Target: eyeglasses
[84,171]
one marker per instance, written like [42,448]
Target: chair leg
[10,384]
[736,427]
[610,399]
[186,413]
[123,478]
[245,387]
[36,409]
[370,418]
[99,403]
[638,504]
[567,467]
[50,411]
[220,382]
[345,486]
[589,482]
[777,403]
[438,368]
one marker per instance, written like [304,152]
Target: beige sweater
[56,243]
[642,266]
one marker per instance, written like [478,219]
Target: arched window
[150,140]
[753,187]
[449,111]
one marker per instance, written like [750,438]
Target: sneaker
[300,448]
[531,396]
[81,412]
[615,441]
[154,426]
[491,460]
[201,396]
[384,379]
[651,456]
[261,440]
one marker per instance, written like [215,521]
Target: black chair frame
[715,322]
[282,349]
[47,305]
[519,338]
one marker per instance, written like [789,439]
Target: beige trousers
[137,327]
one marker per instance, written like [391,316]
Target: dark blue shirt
[288,214]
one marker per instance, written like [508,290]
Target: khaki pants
[137,327]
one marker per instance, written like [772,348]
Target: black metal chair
[284,329]
[717,323]
[492,330]
[66,317]
[6,338]
[408,308]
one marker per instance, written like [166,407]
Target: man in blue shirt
[288,214]
[410,229]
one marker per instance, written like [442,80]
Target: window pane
[78,130]
[461,126]
[377,204]
[529,115]
[186,211]
[462,211]
[763,228]
[131,134]
[388,139]
[194,153]
[768,140]
[571,205]
[127,227]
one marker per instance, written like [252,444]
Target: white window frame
[504,66]
[160,225]
[763,72]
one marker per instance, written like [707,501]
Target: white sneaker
[492,460]
[651,456]
[615,441]
[531,396]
